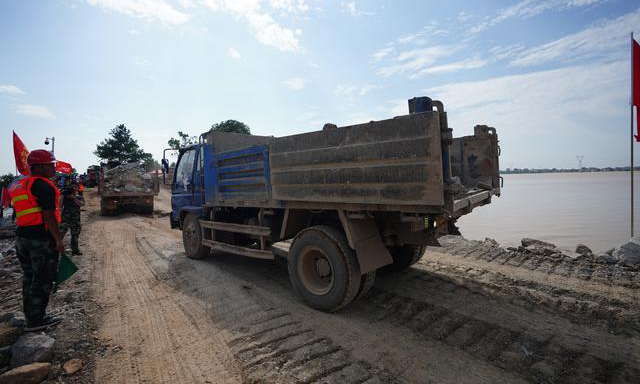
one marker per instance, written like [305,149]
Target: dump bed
[393,164]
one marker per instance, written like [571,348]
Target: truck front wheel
[192,238]
[323,269]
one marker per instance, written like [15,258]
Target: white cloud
[416,60]
[233,53]
[352,9]
[11,90]
[381,53]
[148,10]
[134,32]
[529,8]
[270,33]
[452,67]
[295,83]
[353,90]
[289,6]
[33,110]
[606,37]
[506,52]
[266,30]
[187,3]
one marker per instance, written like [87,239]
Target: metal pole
[53,146]
[631,124]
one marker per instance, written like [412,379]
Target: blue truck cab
[339,203]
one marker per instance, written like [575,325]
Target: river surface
[562,208]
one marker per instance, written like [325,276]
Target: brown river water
[562,208]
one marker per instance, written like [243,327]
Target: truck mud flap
[364,238]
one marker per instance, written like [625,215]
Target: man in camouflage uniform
[71,204]
[38,243]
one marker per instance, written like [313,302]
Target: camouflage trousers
[39,261]
[71,221]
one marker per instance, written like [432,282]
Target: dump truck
[127,188]
[93,172]
[340,203]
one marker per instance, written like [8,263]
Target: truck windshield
[184,173]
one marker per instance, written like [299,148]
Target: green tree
[182,141]
[231,126]
[6,179]
[121,147]
[151,164]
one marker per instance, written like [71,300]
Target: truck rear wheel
[404,256]
[366,283]
[192,238]
[323,269]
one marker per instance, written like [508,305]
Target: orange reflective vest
[80,188]
[24,203]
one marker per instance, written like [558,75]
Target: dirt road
[468,313]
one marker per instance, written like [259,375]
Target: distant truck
[339,203]
[91,179]
[127,187]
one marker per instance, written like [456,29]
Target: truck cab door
[198,178]
[183,183]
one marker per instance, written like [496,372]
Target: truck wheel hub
[315,271]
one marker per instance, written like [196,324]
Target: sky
[552,76]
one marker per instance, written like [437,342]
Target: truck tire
[323,269]
[404,256]
[366,283]
[147,209]
[192,238]
[104,211]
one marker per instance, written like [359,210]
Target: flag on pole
[635,64]
[635,82]
[63,167]
[5,201]
[20,153]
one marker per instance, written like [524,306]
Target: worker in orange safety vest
[36,201]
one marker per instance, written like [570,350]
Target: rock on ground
[583,249]
[32,373]
[72,366]
[32,348]
[628,253]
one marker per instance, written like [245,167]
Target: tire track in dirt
[270,344]
[442,322]
[151,327]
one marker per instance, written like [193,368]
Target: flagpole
[631,124]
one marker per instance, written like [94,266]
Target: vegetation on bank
[565,170]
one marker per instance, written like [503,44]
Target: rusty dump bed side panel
[474,159]
[392,162]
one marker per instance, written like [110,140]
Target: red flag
[635,64]
[5,202]
[20,153]
[63,167]
[635,82]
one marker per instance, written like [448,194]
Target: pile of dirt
[129,177]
